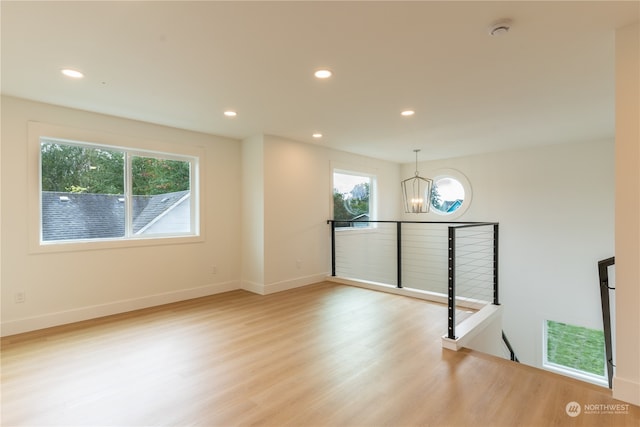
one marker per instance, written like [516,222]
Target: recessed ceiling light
[230,113]
[74,74]
[317,135]
[323,74]
[408,113]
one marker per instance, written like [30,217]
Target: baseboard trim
[255,287]
[272,288]
[626,390]
[383,287]
[34,323]
[298,282]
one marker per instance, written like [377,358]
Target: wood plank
[322,355]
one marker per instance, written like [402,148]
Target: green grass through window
[576,347]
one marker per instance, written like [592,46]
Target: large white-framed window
[353,198]
[98,190]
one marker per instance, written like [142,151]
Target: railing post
[452,284]
[399,252]
[496,299]
[333,248]
[603,273]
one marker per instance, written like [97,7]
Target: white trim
[372,173]
[383,287]
[254,287]
[437,297]
[626,390]
[271,288]
[194,154]
[575,373]
[433,214]
[566,370]
[471,327]
[27,324]
[298,282]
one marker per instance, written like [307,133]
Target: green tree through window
[77,169]
[73,168]
[351,198]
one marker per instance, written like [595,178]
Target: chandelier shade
[416,192]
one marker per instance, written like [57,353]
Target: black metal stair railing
[473,263]
[463,259]
[512,353]
[603,273]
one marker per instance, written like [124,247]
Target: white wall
[489,339]
[62,287]
[297,204]
[555,209]
[252,213]
[626,382]
[297,197]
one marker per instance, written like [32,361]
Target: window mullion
[128,190]
[193,200]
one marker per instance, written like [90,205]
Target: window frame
[468,194]
[567,370]
[372,196]
[131,146]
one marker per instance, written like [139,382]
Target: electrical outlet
[298,263]
[20,297]
[214,269]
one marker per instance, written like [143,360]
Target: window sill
[78,246]
[357,230]
[574,373]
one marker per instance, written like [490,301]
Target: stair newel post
[496,299]
[603,273]
[399,253]
[451,334]
[333,247]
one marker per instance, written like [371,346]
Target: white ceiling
[549,80]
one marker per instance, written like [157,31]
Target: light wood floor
[322,355]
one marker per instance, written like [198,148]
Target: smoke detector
[500,28]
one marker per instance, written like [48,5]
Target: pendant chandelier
[416,192]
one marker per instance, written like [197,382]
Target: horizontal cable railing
[416,255]
[424,261]
[472,268]
[367,254]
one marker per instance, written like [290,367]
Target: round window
[447,195]
[451,193]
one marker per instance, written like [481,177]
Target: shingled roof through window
[73,216]
[148,208]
